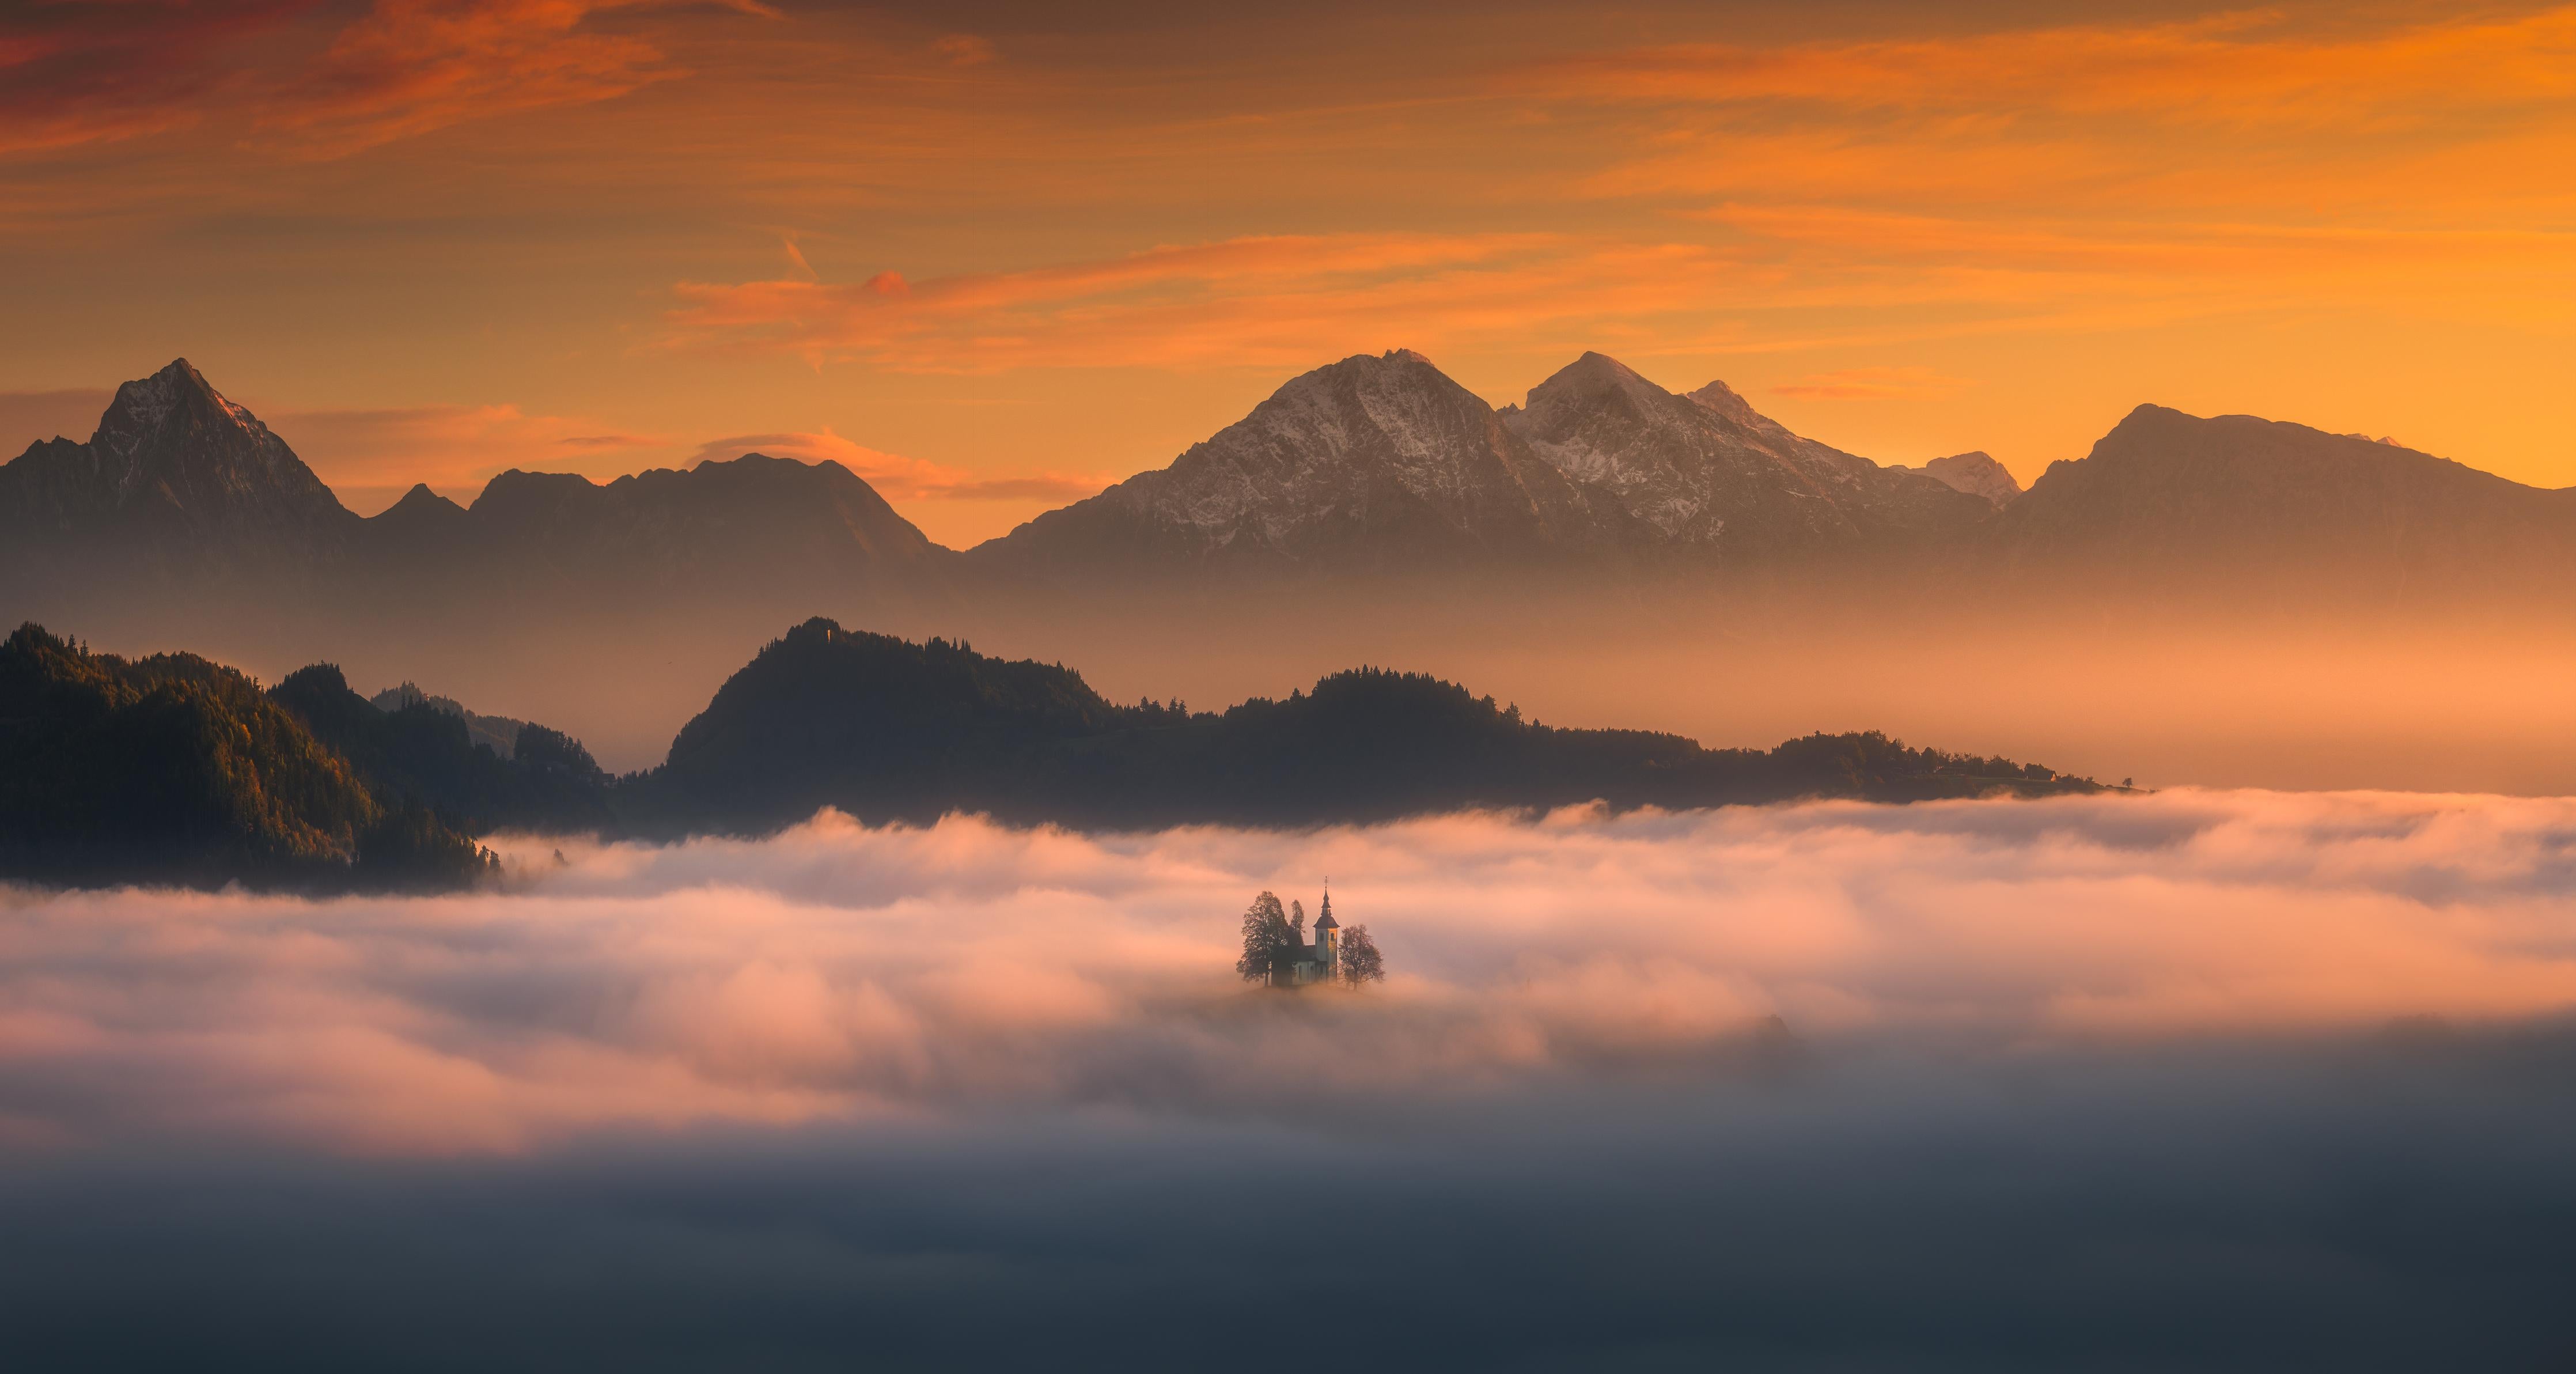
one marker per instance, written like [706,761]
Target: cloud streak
[842,974]
[1870,384]
[1268,301]
[312,78]
[2232,70]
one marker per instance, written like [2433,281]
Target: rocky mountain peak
[1590,379]
[1976,473]
[146,407]
[185,471]
[1720,397]
[1376,460]
[421,496]
[419,508]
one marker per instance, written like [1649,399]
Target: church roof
[1326,922]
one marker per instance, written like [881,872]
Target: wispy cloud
[370,457]
[2233,69]
[963,50]
[1264,301]
[1870,384]
[412,66]
[307,77]
[72,74]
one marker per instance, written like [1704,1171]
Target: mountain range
[1368,467]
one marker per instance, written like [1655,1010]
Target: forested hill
[176,769]
[172,769]
[886,729]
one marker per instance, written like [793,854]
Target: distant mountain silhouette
[182,482]
[500,734]
[1367,471]
[1977,474]
[750,523]
[2169,500]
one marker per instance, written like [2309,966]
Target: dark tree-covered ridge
[886,729]
[176,769]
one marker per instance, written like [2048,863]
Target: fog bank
[2199,1080]
[842,973]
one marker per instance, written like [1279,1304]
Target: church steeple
[1328,941]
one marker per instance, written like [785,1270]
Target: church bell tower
[1328,945]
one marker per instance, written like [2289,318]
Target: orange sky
[995,254]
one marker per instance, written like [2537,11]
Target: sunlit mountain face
[781,685]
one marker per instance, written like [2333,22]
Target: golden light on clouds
[1028,245]
[923,973]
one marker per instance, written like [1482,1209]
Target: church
[1315,962]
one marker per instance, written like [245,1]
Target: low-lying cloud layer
[907,977]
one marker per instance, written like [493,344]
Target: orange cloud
[1267,301]
[411,66]
[92,73]
[963,50]
[371,457]
[105,72]
[1870,384]
[1286,302]
[2231,69]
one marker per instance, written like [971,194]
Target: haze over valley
[2195,600]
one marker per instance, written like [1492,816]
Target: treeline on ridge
[173,768]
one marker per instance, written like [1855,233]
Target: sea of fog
[2191,1080]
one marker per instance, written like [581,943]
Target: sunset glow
[1492,685]
[1014,258]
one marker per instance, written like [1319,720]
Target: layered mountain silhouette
[1976,473]
[1370,467]
[179,480]
[749,524]
[174,768]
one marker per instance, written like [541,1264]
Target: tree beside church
[1278,953]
